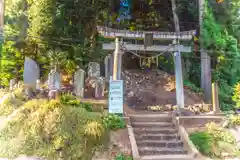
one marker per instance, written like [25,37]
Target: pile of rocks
[140,86]
[144,88]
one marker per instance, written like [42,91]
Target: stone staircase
[157,138]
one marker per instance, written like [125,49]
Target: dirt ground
[143,88]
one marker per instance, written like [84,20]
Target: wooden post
[206,76]
[115,57]
[215,100]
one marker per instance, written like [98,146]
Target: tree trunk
[206,75]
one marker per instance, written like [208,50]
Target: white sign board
[115,96]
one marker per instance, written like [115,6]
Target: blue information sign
[115,96]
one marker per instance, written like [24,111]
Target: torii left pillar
[116,63]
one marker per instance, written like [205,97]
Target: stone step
[160,151]
[152,124]
[160,144]
[162,130]
[150,118]
[174,136]
[168,157]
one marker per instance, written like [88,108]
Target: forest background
[65,32]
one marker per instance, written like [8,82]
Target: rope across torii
[107,32]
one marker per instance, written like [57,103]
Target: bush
[51,130]
[219,133]
[236,95]
[193,87]
[232,120]
[113,121]
[121,156]
[68,99]
[214,141]
[203,141]
[9,104]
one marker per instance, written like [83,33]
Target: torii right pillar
[178,77]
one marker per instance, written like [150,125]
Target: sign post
[115,103]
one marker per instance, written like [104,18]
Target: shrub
[94,130]
[192,87]
[113,121]
[232,120]
[236,95]
[68,99]
[214,141]
[9,104]
[203,141]
[51,130]
[121,156]
[219,133]
[87,106]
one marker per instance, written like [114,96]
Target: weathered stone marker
[106,62]
[94,69]
[79,82]
[38,84]
[11,84]
[31,73]
[100,87]
[54,83]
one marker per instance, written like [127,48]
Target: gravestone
[106,63]
[102,69]
[54,80]
[100,87]
[54,84]
[31,73]
[11,84]
[79,82]
[110,65]
[38,84]
[94,69]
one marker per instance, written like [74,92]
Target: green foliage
[214,141]
[50,129]
[236,95]
[11,101]
[219,134]
[121,156]
[226,72]
[68,99]
[192,86]
[113,122]
[203,141]
[232,120]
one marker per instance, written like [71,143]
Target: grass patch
[121,156]
[215,142]
[69,99]
[11,101]
[65,129]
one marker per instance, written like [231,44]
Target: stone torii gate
[119,35]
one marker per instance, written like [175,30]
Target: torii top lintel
[113,33]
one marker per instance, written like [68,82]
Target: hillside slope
[145,88]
